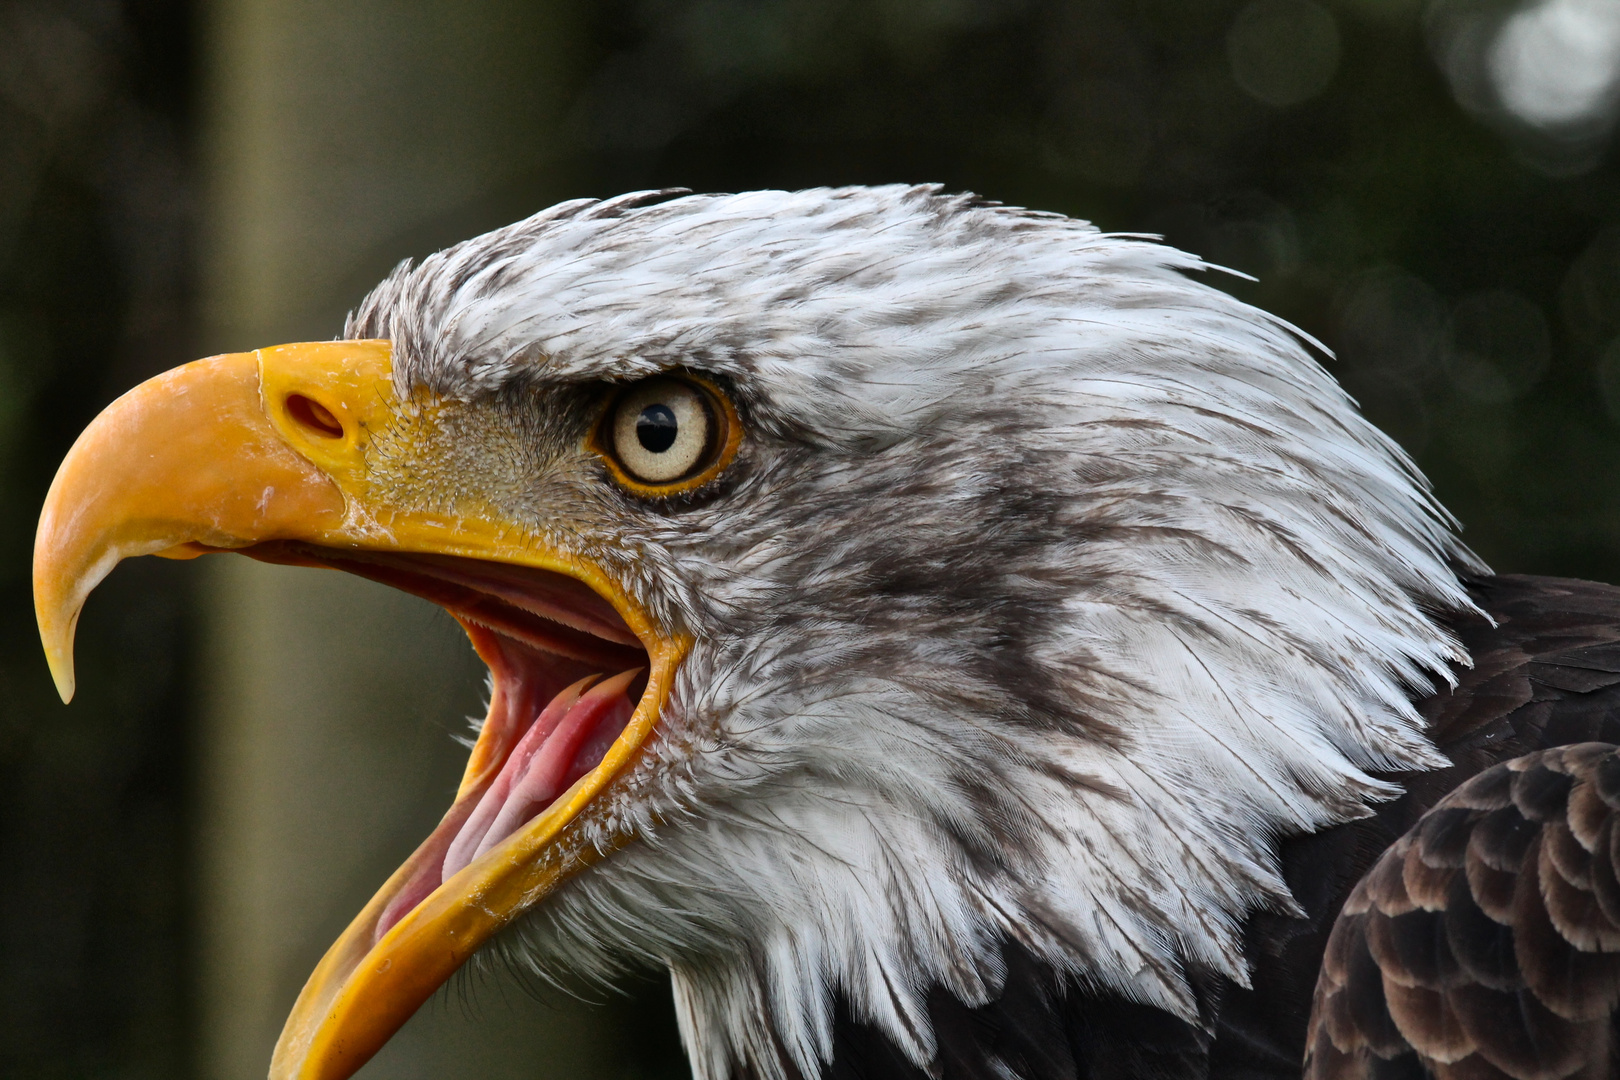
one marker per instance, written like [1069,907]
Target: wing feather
[1477,946]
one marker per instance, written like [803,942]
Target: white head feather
[1051,587]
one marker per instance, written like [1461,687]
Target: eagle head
[872,580]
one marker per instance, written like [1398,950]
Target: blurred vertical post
[331,132]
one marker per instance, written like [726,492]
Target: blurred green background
[1428,188]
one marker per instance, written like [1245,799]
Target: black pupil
[656,428]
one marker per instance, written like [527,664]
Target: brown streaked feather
[1529,991]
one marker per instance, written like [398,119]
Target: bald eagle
[953,641]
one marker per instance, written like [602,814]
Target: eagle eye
[666,434]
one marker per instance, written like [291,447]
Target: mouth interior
[565,673]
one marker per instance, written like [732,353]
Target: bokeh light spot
[1497,347]
[1608,380]
[1283,52]
[1100,130]
[1391,321]
[1557,63]
[1590,294]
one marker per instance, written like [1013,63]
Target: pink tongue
[566,741]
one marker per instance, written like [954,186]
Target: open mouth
[566,674]
[229,453]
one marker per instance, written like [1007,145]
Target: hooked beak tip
[62,675]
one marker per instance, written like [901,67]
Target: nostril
[313,415]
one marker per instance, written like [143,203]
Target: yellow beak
[267,453]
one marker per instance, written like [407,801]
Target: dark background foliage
[95,220]
[1366,161]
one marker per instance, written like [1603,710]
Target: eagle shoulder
[1486,942]
[1545,672]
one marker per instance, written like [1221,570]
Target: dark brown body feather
[1546,675]
[1485,944]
